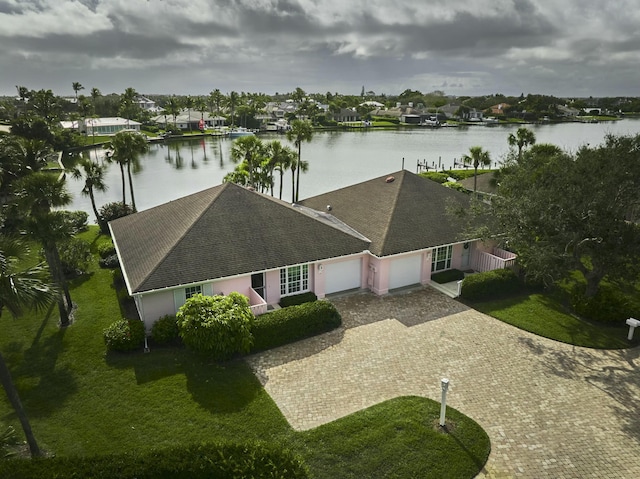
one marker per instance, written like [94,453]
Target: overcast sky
[463,47]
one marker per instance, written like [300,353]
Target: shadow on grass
[219,387]
[39,364]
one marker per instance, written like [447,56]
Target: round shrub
[165,330]
[124,335]
[75,256]
[114,210]
[106,249]
[490,285]
[609,305]
[219,326]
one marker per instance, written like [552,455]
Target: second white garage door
[342,276]
[405,271]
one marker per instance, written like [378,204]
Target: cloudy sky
[463,47]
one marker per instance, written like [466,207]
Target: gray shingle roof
[407,214]
[222,231]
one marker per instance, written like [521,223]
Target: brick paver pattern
[551,409]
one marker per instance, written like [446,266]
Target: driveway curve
[552,410]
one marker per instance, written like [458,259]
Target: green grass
[82,401]
[545,316]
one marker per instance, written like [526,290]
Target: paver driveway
[551,409]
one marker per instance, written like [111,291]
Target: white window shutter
[179,297]
[207,289]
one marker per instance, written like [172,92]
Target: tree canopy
[564,212]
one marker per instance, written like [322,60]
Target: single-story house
[386,233]
[102,126]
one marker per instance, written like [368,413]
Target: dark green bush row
[437,176]
[609,305]
[491,285]
[165,330]
[291,324]
[296,299]
[124,335]
[222,461]
[106,249]
[447,276]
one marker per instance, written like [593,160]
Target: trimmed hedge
[297,299]
[204,461]
[490,285]
[291,324]
[124,335]
[447,276]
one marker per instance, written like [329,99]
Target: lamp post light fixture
[444,383]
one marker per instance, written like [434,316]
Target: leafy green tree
[523,138]
[233,101]
[46,106]
[564,212]
[38,195]
[201,106]
[173,107]
[219,326]
[216,99]
[300,132]
[129,108]
[21,289]
[94,180]
[477,157]
[126,149]
[251,150]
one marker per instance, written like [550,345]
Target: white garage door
[405,271]
[342,276]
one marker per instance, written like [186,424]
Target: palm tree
[524,137]
[189,104]
[20,289]
[93,175]
[251,150]
[127,148]
[128,105]
[201,106]
[216,98]
[296,165]
[282,157]
[77,86]
[232,103]
[301,130]
[173,107]
[477,156]
[38,194]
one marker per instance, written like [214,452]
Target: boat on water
[430,123]
[240,132]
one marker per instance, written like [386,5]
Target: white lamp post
[444,383]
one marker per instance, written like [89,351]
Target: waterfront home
[102,126]
[386,233]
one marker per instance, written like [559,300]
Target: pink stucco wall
[155,305]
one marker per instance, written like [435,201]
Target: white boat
[239,132]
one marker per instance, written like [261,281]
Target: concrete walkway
[551,409]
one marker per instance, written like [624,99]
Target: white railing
[497,259]
[258,304]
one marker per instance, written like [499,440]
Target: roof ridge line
[393,208]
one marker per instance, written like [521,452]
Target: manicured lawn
[545,316]
[82,401]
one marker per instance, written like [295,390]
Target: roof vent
[390,179]
[329,208]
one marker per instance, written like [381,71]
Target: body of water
[175,169]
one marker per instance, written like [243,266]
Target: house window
[294,279]
[192,291]
[441,258]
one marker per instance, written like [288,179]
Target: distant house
[567,111]
[190,119]
[102,126]
[386,233]
[499,109]
[146,104]
[346,115]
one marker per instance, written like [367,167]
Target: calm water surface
[336,159]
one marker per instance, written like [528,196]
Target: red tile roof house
[379,235]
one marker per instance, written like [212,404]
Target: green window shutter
[207,289]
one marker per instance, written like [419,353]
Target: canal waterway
[176,168]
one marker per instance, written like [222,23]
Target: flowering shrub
[124,335]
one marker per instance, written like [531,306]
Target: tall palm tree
[38,194]
[128,105]
[77,86]
[301,130]
[251,150]
[189,103]
[477,157]
[216,98]
[524,137]
[282,158]
[173,107]
[127,148]
[20,289]
[201,106]
[93,175]
[232,102]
